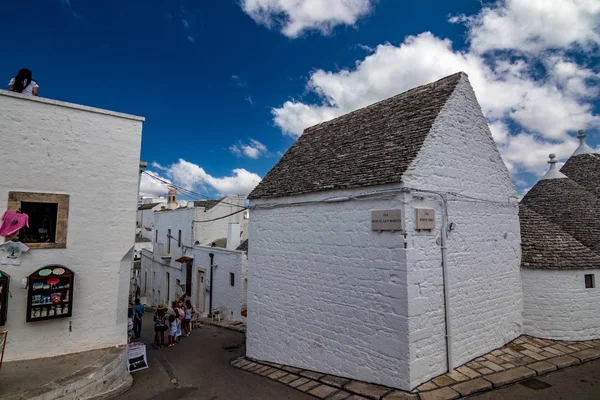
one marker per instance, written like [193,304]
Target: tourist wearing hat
[160,326]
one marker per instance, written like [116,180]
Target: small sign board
[136,357]
[425,219]
[387,220]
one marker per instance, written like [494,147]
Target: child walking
[173,330]
[160,326]
[189,310]
[179,316]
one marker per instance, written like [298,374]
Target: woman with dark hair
[24,83]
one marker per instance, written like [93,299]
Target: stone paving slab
[322,391]
[472,386]
[542,367]
[368,390]
[440,394]
[510,376]
[519,360]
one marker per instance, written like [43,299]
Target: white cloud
[241,182]
[191,176]
[534,25]
[191,39]
[295,17]
[254,149]
[151,187]
[249,99]
[532,99]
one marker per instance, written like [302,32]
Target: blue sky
[227,86]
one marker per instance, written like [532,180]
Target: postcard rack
[50,294]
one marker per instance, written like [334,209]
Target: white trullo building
[560,229]
[385,243]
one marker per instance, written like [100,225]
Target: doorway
[200,292]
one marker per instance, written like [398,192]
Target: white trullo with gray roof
[346,279]
[560,230]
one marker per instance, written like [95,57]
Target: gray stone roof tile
[569,206]
[546,246]
[585,170]
[371,146]
[207,204]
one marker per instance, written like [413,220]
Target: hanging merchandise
[12,222]
[10,253]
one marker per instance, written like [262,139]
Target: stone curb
[240,328]
[331,387]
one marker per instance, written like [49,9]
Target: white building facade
[66,156]
[560,229]
[333,291]
[184,260]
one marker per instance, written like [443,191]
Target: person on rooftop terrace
[24,83]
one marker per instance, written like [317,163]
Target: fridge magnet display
[4,281]
[50,296]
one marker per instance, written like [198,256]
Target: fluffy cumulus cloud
[191,176]
[534,86]
[534,25]
[295,17]
[152,187]
[254,149]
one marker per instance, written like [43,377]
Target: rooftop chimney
[172,202]
[553,172]
[583,146]
[233,236]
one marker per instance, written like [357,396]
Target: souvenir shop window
[48,218]
[50,293]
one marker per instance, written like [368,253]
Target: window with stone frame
[48,218]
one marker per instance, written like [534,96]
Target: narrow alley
[200,368]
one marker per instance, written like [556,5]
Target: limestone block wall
[557,305]
[327,293]
[460,160]
[87,153]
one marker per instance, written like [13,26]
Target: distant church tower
[172,202]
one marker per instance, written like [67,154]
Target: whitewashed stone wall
[226,297]
[460,156]
[57,147]
[207,232]
[557,304]
[327,293]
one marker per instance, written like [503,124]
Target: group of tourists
[178,323]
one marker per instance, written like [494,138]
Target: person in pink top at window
[12,222]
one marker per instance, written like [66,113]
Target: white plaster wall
[557,304]
[460,156]
[327,293]
[179,219]
[86,153]
[208,232]
[226,297]
[145,221]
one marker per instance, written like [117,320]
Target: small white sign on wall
[425,219]
[387,220]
